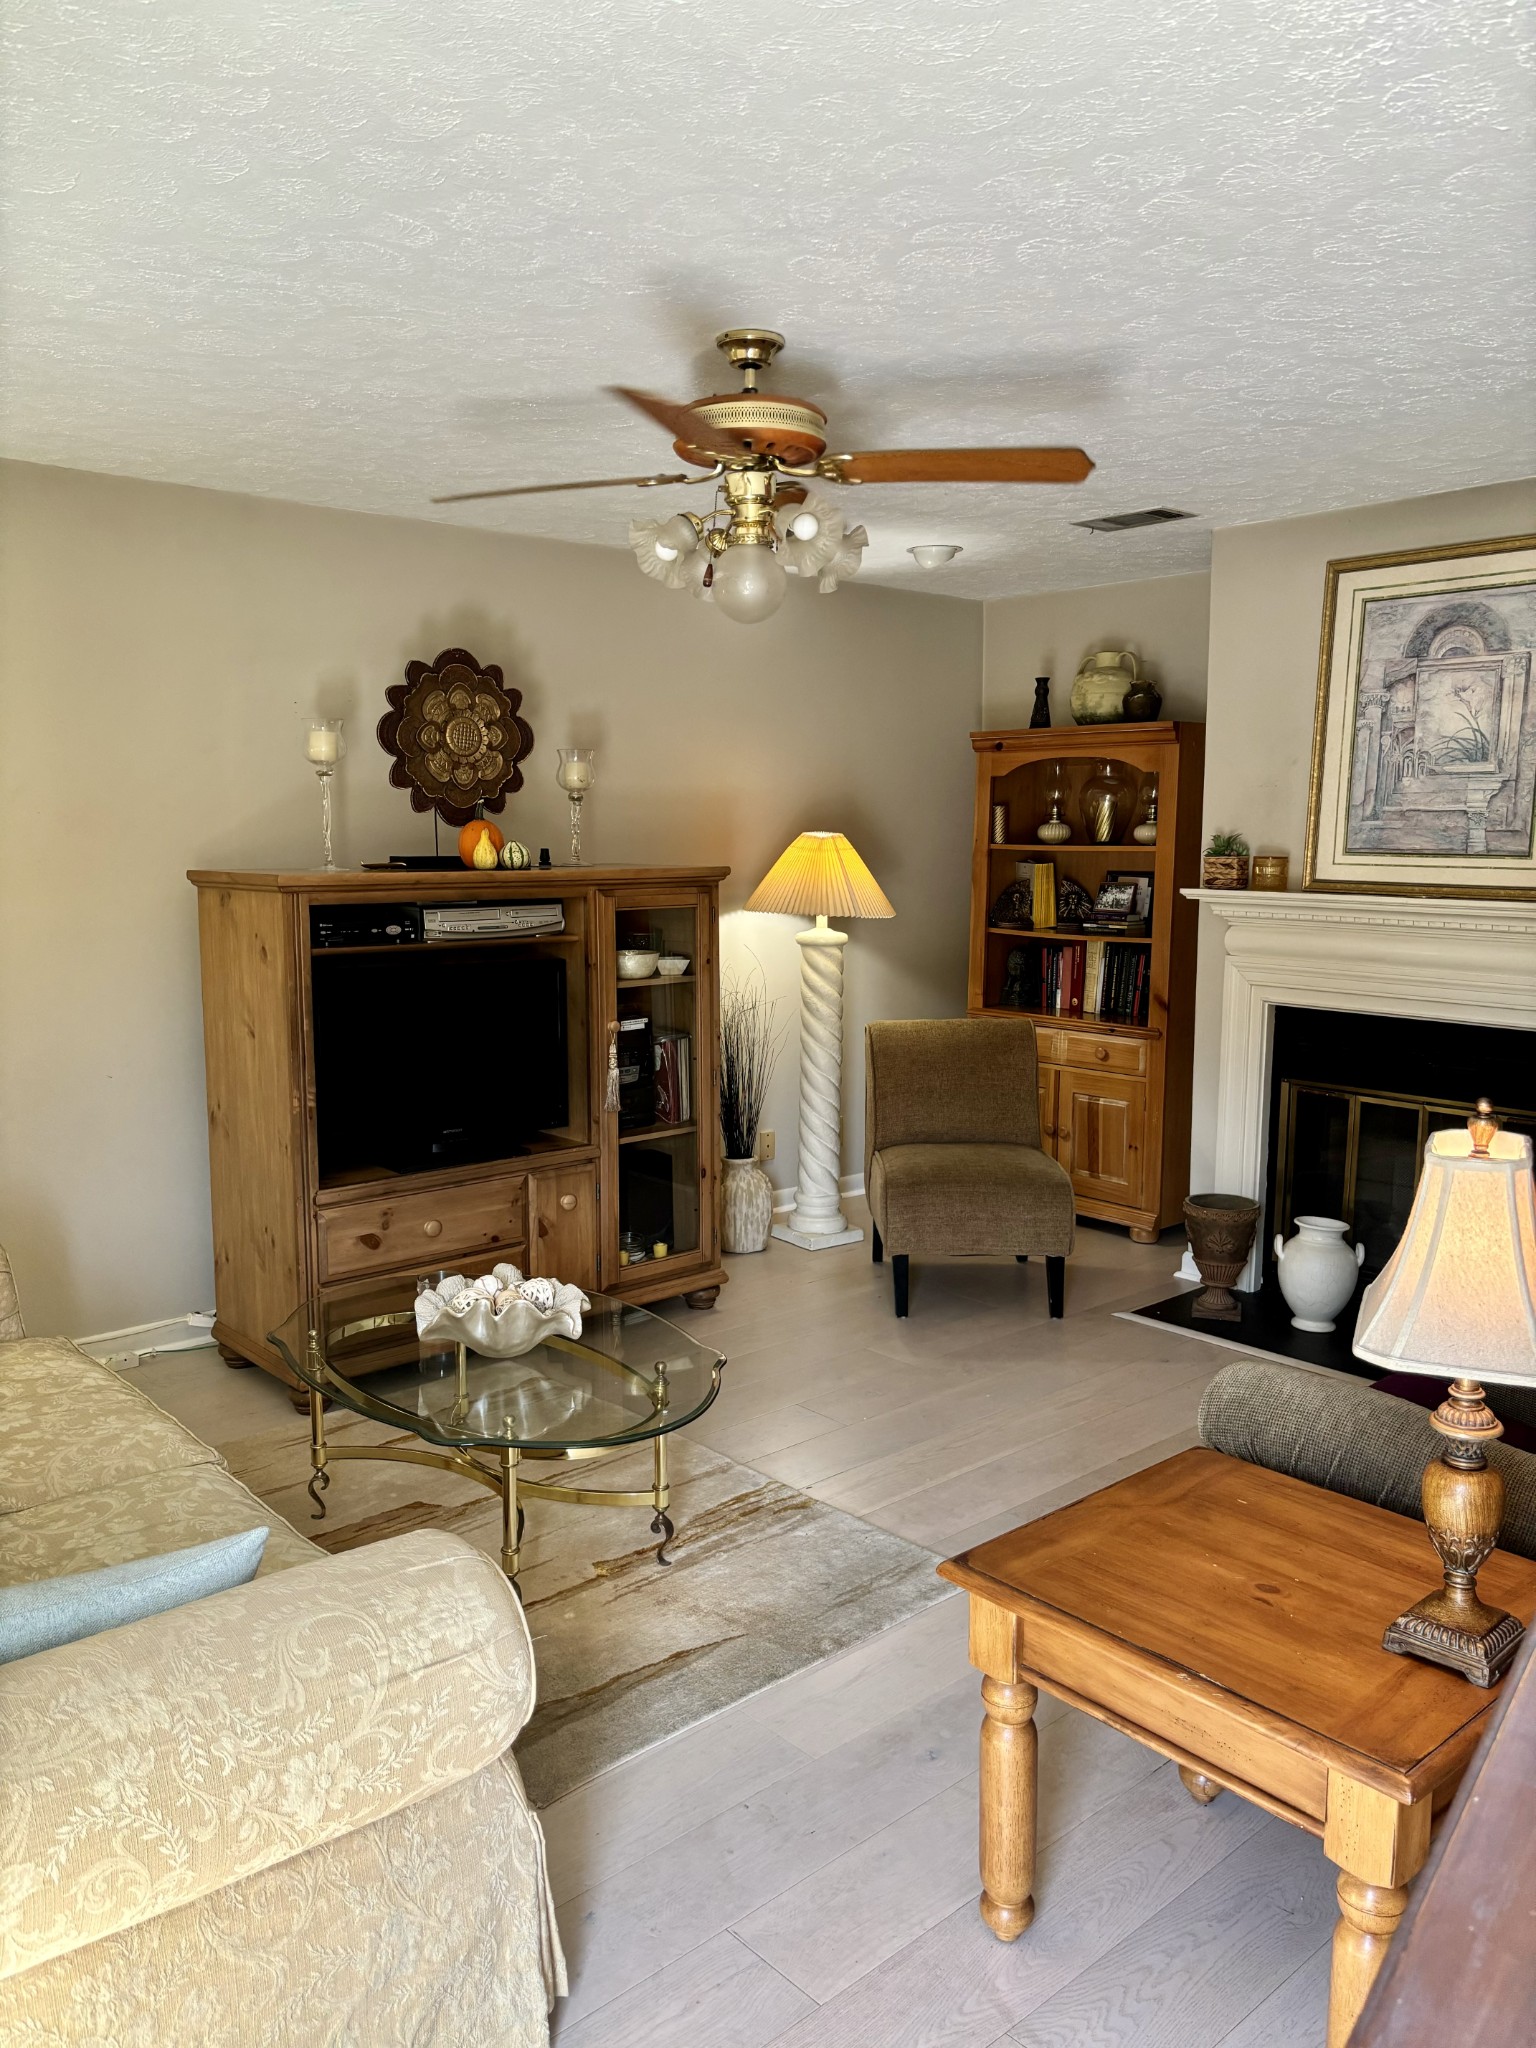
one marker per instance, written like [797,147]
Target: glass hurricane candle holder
[324,746]
[576,774]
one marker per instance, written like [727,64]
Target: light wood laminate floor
[801,1870]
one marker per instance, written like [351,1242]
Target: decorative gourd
[477,833]
[515,855]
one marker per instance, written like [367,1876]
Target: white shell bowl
[670,965]
[465,1311]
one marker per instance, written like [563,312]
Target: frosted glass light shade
[807,552]
[820,875]
[1457,1299]
[659,552]
[749,583]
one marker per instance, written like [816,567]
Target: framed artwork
[1424,746]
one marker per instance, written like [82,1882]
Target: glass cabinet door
[660,1139]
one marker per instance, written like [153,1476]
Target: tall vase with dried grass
[749,1051]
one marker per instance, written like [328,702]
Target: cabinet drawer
[428,1231]
[1100,1055]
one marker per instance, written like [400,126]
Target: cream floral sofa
[282,1817]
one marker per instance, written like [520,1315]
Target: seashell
[488,1285]
[464,1301]
[506,1276]
[540,1293]
[506,1298]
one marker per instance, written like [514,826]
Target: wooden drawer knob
[1101,1052]
[433,1229]
[567,1201]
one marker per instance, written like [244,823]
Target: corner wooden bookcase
[285,1229]
[1114,1096]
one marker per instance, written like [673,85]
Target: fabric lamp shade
[820,875]
[1457,1299]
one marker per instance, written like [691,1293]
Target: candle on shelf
[577,775]
[322,745]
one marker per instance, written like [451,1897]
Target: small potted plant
[1226,862]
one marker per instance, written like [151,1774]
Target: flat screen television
[428,1057]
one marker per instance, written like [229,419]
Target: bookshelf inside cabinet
[1113,1010]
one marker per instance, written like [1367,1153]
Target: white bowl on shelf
[636,964]
[670,965]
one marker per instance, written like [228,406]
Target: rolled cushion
[42,1614]
[952,1200]
[1348,1437]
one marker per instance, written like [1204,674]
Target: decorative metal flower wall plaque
[455,735]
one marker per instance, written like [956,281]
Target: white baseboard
[128,1348]
[784,1198]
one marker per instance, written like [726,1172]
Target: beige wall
[1266,621]
[156,647]
[1163,621]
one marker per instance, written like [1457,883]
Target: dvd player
[364,924]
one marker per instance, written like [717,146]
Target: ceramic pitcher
[1100,686]
[1317,1271]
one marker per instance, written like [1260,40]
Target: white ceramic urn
[1317,1271]
[746,1207]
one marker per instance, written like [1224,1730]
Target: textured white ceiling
[1259,259]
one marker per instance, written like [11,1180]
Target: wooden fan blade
[790,494]
[681,422]
[597,483]
[966,466]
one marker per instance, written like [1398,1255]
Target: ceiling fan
[764,452]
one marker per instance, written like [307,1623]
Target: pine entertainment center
[312,1196]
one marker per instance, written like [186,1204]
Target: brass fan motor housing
[768,423]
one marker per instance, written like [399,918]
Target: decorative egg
[540,1293]
[479,844]
[515,855]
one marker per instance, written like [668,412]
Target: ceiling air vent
[1122,522]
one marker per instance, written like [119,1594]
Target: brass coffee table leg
[662,1495]
[511,1513]
[319,1478]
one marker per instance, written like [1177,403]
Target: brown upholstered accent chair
[952,1159]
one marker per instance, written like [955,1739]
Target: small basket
[1224,871]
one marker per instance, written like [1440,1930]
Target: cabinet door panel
[1101,1123]
[562,1224]
[1049,1082]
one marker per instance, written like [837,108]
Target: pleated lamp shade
[1458,1296]
[820,875]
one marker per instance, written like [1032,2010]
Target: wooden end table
[1231,1619]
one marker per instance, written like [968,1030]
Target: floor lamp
[819,875]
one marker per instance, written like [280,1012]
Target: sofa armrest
[1348,1437]
[145,1767]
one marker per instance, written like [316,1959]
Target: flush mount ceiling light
[933,554]
[763,452]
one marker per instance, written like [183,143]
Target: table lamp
[1457,1300]
[820,875]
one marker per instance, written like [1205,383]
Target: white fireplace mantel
[1392,956]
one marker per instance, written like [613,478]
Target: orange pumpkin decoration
[470,836]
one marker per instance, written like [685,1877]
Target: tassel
[611,1094]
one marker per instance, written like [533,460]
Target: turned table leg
[1008,1770]
[1379,1845]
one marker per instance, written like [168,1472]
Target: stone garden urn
[1221,1229]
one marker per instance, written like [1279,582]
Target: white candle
[321,746]
[576,775]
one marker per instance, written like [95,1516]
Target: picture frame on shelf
[1423,775]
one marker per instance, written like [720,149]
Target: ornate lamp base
[1466,1636]
[1463,1507]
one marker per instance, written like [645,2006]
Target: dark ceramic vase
[1143,701]
[1221,1229]
[1041,715]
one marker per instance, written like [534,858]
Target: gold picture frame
[1423,779]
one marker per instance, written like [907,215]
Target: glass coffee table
[631,1378]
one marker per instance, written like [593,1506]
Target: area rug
[765,1581]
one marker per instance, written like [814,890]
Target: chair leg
[1056,1286]
[899,1277]
[876,1243]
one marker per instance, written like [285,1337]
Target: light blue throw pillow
[48,1612]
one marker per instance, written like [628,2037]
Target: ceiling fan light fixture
[749,582]
[658,557]
[933,554]
[807,554]
[847,562]
[677,536]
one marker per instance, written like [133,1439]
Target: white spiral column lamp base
[818,1219]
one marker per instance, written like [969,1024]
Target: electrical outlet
[766,1144]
